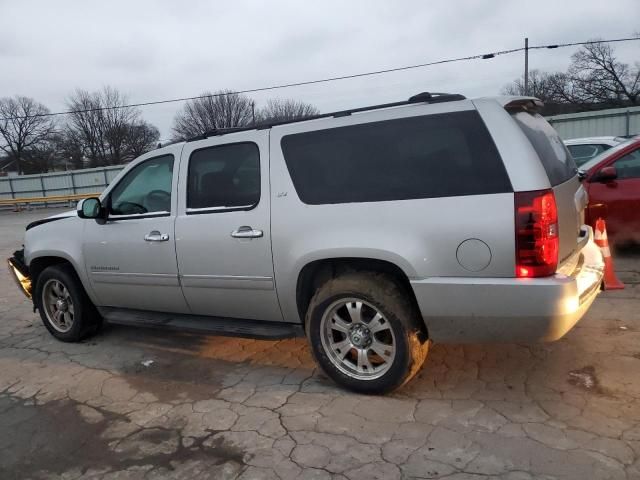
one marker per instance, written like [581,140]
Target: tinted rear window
[555,157]
[419,157]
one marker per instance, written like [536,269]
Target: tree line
[595,79]
[102,130]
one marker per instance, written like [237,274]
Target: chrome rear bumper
[494,310]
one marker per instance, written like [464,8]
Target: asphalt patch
[53,438]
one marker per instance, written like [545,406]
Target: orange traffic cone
[611,282]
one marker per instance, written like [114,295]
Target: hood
[52,218]
[68,213]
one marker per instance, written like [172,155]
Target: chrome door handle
[156,236]
[246,232]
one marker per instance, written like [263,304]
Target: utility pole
[526,66]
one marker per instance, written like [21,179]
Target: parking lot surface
[140,403]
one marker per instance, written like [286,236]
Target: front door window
[145,189]
[628,166]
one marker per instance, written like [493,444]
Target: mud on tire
[365,333]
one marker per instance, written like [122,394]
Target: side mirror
[607,174]
[89,208]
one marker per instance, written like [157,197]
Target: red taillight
[537,240]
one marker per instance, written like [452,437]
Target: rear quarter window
[555,158]
[438,155]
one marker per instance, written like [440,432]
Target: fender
[60,237]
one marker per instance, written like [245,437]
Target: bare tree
[23,126]
[141,138]
[278,110]
[222,109]
[42,157]
[117,120]
[70,150]
[542,85]
[103,125]
[597,76]
[85,126]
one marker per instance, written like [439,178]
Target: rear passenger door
[223,237]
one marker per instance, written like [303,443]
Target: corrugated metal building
[90,180]
[615,121]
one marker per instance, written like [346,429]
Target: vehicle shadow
[172,364]
[451,371]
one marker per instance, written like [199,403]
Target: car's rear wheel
[365,333]
[64,306]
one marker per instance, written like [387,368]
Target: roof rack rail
[423,97]
[436,97]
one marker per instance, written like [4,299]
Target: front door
[223,237]
[619,200]
[131,257]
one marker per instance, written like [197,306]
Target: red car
[612,180]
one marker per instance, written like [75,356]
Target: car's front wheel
[64,306]
[365,332]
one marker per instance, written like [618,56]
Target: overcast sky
[160,49]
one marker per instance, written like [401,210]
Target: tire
[72,317]
[357,315]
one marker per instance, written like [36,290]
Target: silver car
[584,149]
[373,232]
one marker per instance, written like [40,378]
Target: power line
[275,87]
[481,56]
[591,42]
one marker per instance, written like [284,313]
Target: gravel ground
[137,403]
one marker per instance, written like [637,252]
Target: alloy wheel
[58,305]
[358,339]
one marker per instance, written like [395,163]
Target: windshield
[598,158]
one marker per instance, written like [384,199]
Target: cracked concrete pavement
[139,403]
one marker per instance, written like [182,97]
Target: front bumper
[504,310]
[20,272]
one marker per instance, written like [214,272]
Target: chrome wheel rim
[58,305]
[358,339]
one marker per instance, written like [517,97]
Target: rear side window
[419,157]
[555,157]
[225,176]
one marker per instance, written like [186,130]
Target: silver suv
[371,231]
